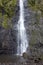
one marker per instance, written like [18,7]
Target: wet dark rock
[8,42]
[34,30]
[8,38]
[39,45]
[25,55]
[37,60]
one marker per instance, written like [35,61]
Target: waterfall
[22,37]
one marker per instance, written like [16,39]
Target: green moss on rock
[36,5]
[34,37]
[7,10]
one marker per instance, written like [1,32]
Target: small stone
[36,61]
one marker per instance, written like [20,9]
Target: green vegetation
[34,37]
[36,5]
[7,9]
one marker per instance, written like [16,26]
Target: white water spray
[22,38]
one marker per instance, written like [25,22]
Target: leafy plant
[36,5]
[7,10]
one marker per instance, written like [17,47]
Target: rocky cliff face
[34,27]
[8,41]
[34,30]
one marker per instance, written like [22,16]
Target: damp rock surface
[34,30]
[17,60]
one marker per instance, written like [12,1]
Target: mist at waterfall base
[21,37]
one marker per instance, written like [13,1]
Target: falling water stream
[22,37]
